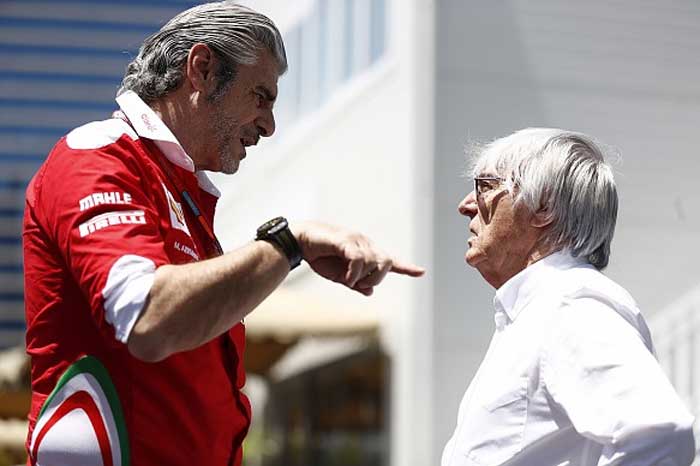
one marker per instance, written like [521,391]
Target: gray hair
[564,174]
[235,33]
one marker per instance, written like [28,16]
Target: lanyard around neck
[191,204]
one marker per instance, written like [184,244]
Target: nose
[266,123]
[468,206]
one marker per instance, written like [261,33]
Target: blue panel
[21,158]
[323,45]
[43,131]
[184,4]
[10,268]
[60,104]
[11,213]
[378,29]
[36,23]
[11,297]
[11,185]
[12,325]
[10,240]
[349,35]
[59,77]
[21,49]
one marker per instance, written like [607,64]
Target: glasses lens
[484,185]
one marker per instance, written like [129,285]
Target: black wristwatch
[276,231]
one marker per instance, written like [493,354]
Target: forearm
[191,304]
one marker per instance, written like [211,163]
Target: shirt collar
[148,125]
[514,294]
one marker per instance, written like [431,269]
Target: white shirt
[569,378]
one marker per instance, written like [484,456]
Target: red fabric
[185,410]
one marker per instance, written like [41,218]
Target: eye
[485,186]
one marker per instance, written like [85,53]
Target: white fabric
[99,134]
[148,125]
[569,379]
[206,184]
[125,293]
[81,448]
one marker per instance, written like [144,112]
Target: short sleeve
[100,214]
[598,369]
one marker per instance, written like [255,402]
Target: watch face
[277,227]
[271,227]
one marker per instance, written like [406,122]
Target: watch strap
[277,232]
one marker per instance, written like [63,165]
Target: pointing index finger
[404,268]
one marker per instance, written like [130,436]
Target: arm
[191,304]
[598,370]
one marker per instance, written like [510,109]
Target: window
[337,40]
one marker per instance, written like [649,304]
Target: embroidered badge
[122,217]
[177,216]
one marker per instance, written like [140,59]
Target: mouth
[472,237]
[247,142]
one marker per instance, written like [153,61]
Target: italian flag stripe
[80,400]
[86,385]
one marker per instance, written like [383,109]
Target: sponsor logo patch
[124,217]
[186,249]
[177,216]
[147,122]
[96,199]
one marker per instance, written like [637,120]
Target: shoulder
[102,156]
[594,305]
[99,134]
[99,148]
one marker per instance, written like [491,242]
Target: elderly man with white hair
[570,376]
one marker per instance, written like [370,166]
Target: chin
[469,258]
[226,170]
[229,165]
[473,258]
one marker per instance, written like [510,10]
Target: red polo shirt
[101,215]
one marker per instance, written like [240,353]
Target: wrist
[299,231]
[278,233]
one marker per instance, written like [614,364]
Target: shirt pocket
[501,419]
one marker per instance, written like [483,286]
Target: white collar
[148,125]
[517,292]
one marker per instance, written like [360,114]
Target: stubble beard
[229,162]
[224,129]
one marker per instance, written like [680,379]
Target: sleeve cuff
[128,285]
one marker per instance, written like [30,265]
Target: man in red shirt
[134,314]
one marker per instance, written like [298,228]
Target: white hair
[565,175]
[235,33]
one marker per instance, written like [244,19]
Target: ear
[201,68]
[542,218]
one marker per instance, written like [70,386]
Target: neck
[498,278]
[178,114]
[165,108]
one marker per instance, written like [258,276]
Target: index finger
[405,268]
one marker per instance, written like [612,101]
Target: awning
[289,315]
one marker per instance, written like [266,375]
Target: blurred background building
[379,101]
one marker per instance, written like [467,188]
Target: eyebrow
[269,95]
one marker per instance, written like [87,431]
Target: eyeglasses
[484,184]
